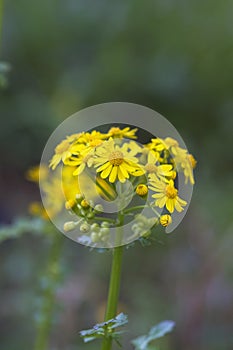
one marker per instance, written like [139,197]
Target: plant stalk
[52,275]
[114,287]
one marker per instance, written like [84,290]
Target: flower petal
[103,167]
[106,172]
[113,175]
[170,204]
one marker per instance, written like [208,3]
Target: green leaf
[21,226]
[158,331]
[105,329]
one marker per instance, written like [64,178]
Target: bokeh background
[173,56]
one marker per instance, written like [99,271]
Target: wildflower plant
[106,188]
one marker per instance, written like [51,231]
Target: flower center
[171,192]
[116,158]
[64,146]
[150,168]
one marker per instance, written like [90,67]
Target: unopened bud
[165,220]
[142,190]
[104,231]
[69,226]
[99,208]
[90,215]
[70,204]
[95,237]
[79,197]
[105,224]
[84,227]
[85,204]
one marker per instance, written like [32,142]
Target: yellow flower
[165,220]
[141,190]
[80,161]
[63,151]
[116,162]
[180,157]
[182,161]
[84,151]
[159,170]
[192,160]
[37,172]
[116,132]
[70,185]
[70,204]
[37,209]
[74,137]
[166,195]
[88,137]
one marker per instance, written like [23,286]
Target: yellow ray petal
[103,167]
[113,175]
[170,204]
[106,172]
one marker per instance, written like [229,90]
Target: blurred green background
[175,57]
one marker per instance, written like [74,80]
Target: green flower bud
[94,226]
[134,227]
[99,208]
[104,231]
[69,226]
[90,215]
[95,237]
[105,224]
[79,197]
[85,227]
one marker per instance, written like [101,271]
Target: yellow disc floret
[116,158]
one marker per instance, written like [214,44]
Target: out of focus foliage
[173,56]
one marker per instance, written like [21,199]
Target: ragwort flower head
[166,194]
[117,162]
[114,167]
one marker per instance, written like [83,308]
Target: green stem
[101,218]
[51,276]
[114,288]
[127,211]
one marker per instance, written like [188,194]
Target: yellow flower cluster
[115,156]
[95,164]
